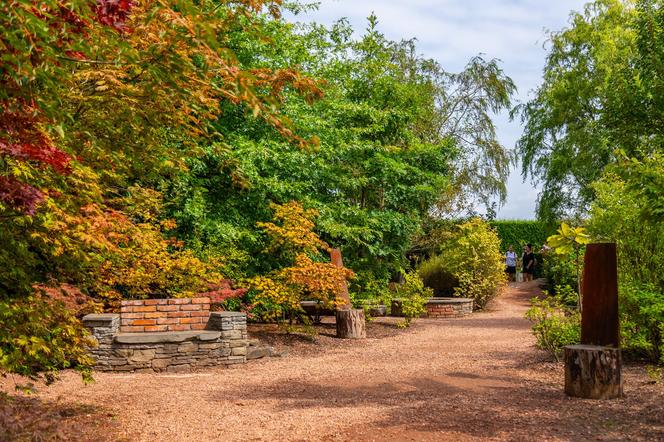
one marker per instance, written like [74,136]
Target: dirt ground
[475,378]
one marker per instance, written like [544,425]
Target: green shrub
[38,337]
[642,321]
[555,325]
[559,271]
[518,233]
[470,252]
[414,297]
[435,275]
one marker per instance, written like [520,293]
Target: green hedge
[521,232]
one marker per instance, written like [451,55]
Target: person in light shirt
[510,263]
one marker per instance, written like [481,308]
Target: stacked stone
[223,343]
[159,315]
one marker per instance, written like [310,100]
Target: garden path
[462,379]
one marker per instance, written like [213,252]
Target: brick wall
[159,315]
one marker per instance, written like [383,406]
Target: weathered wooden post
[592,369]
[350,321]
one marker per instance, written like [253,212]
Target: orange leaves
[305,279]
[295,233]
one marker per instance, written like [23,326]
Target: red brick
[136,302]
[201,314]
[154,315]
[127,321]
[198,326]
[179,301]
[156,328]
[126,309]
[178,314]
[204,300]
[168,321]
[145,322]
[155,302]
[132,315]
[190,307]
[178,328]
[191,320]
[167,308]
[132,329]
[150,308]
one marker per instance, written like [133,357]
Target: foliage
[278,294]
[470,252]
[388,151]
[642,321]
[620,214]
[617,215]
[437,274]
[518,233]
[413,296]
[560,271]
[601,92]
[555,325]
[571,240]
[41,336]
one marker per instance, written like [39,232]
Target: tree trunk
[593,372]
[350,324]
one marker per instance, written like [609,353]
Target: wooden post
[599,318]
[592,369]
[350,321]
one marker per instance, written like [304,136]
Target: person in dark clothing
[528,262]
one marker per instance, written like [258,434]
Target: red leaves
[114,13]
[22,137]
[21,197]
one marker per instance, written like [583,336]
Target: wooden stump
[593,372]
[350,324]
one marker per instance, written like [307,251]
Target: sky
[453,31]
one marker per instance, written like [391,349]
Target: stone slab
[165,337]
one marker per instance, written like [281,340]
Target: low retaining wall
[440,307]
[223,342]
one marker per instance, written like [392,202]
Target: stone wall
[160,315]
[440,307]
[223,342]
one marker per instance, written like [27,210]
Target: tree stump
[350,324]
[593,372]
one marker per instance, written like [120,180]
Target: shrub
[559,271]
[555,325]
[642,321]
[277,294]
[414,297]
[435,275]
[471,253]
[518,233]
[39,337]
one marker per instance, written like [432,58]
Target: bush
[435,275]
[39,337]
[414,297]
[518,233]
[642,321]
[555,324]
[470,252]
[559,271]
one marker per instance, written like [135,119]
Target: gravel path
[462,379]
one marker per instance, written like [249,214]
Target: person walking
[528,262]
[510,263]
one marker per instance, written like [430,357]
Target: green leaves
[568,239]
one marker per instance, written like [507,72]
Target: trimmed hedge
[521,232]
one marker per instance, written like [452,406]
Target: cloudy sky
[452,31]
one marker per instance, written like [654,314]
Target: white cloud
[453,31]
